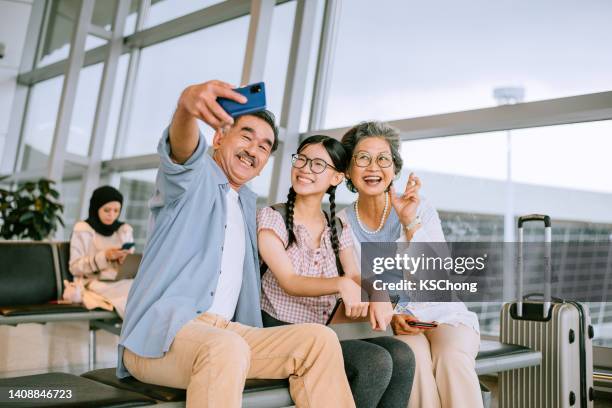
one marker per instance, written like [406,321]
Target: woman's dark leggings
[379,370]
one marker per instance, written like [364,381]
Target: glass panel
[104,13]
[166,10]
[137,188]
[2,141]
[277,57]
[62,21]
[113,120]
[70,195]
[422,58]
[39,125]
[203,57]
[465,179]
[84,112]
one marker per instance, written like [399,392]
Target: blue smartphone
[127,245]
[256,100]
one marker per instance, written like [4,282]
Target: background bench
[31,281]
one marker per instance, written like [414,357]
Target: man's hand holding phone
[200,101]
[409,324]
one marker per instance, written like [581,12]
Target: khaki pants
[445,375]
[211,358]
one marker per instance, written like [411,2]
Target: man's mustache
[244,155]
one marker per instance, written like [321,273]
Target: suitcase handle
[547,259]
[541,296]
[534,217]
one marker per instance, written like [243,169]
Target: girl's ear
[337,179]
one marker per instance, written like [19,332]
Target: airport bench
[32,281]
[101,388]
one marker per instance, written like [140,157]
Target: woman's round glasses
[317,166]
[363,159]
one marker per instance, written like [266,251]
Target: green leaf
[26,217]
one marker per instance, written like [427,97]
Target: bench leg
[486,396]
[92,348]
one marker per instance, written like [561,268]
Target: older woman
[96,251]
[445,356]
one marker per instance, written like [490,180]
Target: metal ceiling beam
[572,109]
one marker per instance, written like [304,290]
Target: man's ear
[219,133]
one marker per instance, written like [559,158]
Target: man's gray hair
[363,130]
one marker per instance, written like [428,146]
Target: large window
[167,68]
[403,59]
[562,171]
[61,23]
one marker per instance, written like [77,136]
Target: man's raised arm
[199,102]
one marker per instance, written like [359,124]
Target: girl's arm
[381,310]
[275,256]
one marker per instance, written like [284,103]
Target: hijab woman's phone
[127,245]
[256,100]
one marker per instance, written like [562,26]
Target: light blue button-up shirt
[180,267]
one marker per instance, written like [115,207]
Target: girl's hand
[350,292]
[399,323]
[381,314]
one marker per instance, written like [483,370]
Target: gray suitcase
[561,330]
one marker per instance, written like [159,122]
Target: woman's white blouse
[87,250]
[453,313]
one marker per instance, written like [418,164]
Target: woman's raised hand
[406,205]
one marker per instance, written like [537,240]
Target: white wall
[14,15]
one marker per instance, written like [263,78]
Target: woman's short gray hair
[363,130]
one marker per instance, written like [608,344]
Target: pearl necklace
[382,219]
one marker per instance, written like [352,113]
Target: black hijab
[101,196]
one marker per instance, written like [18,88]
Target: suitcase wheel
[572,336]
[572,399]
[591,331]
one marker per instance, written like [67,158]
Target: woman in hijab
[95,253]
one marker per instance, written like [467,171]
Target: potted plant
[31,211]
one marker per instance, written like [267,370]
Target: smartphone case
[256,100]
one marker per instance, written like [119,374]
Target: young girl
[309,264]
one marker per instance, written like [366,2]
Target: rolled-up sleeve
[173,178]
